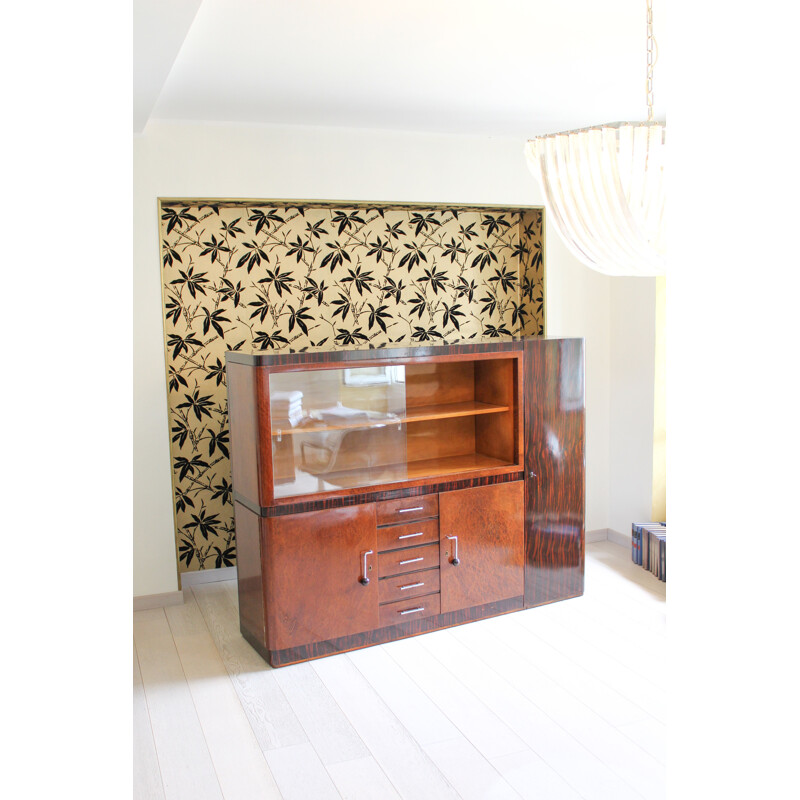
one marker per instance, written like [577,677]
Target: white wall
[632,388]
[226,161]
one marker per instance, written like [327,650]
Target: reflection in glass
[336,428]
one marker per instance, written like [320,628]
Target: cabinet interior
[342,428]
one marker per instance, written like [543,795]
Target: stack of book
[649,547]
[287,409]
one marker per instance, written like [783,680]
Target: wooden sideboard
[383,493]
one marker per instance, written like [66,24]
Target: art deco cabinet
[383,493]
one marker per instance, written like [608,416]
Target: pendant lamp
[604,188]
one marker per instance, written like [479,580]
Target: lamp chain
[651,46]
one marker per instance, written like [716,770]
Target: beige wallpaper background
[242,274]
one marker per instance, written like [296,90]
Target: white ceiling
[485,67]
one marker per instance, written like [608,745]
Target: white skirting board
[607,534]
[208,576]
[146,601]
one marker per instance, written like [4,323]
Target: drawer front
[407,610]
[401,587]
[408,535]
[394,512]
[397,562]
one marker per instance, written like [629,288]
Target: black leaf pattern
[238,275]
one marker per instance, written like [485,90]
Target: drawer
[393,512]
[407,610]
[401,587]
[396,562]
[408,535]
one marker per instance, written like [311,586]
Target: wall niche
[281,275]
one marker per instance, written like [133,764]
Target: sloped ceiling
[482,67]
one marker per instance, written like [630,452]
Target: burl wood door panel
[314,563]
[488,523]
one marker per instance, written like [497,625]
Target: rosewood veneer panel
[554,456]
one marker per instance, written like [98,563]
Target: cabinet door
[554,464]
[487,522]
[314,566]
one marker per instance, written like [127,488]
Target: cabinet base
[281,658]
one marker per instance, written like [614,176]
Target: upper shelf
[418,414]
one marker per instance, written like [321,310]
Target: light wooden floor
[560,701]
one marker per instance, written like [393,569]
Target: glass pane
[336,429]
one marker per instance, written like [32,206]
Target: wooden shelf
[418,414]
[413,470]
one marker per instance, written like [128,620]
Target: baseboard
[598,535]
[619,538]
[208,576]
[145,601]
[607,534]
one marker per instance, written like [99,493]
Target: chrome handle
[412,560]
[364,579]
[406,510]
[410,535]
[454,560]
[412,610]
[412,586]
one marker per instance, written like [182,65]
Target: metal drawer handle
[412,586]
[410,535]
[364,579]
[454,560]
[406,510]
[412,610]
[412,560]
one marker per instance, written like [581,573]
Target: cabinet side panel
[243,417]
[554,453]
[495,433]
[250,576]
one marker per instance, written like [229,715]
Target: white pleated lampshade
[604,190]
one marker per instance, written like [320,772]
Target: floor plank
[561,702]
[147,784]
[533,778]
[238,760]
[470,773]
[420,715]
[187,770]
[274,722]
[362,779]
[325,724]
[476,720]
[503,685]
[399,755]
[300,774]
[632,764]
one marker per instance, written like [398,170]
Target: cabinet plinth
[382,494]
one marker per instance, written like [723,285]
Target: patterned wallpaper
[241,275]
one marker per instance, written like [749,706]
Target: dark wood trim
[280,658]
[266,487]
[409,352]
[386,358]
[305,202]
[338,499]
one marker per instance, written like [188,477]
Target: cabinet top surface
[254,357]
